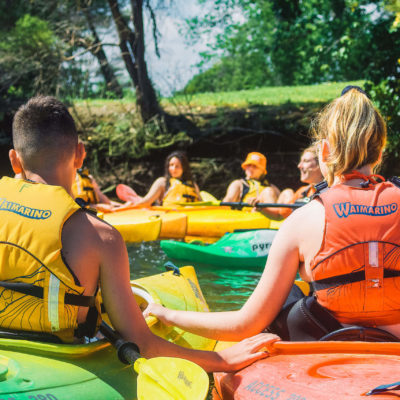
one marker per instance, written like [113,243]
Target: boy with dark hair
[54,255]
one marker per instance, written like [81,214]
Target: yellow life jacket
[252,188]
[38,291]
[83,188]
[180,192]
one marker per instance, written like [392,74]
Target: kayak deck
[248,248]
[315,371]
[52,371]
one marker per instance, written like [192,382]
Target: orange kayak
[315,371]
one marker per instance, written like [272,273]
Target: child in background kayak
[254,185]
[310,173]
[57,255]
[86,188]
[345,242]
[176,186]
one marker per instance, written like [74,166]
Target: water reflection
[223,288]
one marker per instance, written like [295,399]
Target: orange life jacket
[356,272]
[304,193]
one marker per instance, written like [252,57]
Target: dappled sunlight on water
[223,288]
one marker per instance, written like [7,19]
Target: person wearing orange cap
[255,182]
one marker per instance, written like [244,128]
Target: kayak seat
[303,319]
[360,334]
[28,335]
[198,242]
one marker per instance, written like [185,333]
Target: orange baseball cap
[257,159]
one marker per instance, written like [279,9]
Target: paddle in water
[164,378]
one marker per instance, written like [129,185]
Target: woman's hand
[253,200]
[248,351]
[158,311]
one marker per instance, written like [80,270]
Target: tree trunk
[146,96]
[97,50]
[132,51]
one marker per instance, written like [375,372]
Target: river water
[223,288]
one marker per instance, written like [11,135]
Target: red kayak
[317,371]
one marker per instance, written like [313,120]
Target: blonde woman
[346,242]
[310,173]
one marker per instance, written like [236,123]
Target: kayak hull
[64,371]
[139,224]
[335,370]
[237,249]
[216,222]
[136,225]
[49,371]
[135,228]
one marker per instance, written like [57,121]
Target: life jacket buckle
[375,283]
[365,184]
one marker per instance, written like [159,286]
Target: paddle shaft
[238,204]
[128,352]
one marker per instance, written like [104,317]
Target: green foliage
[232,73]
[120,137]
[277,95]
[384,84]
[288,42]
[386,96]
[29,58]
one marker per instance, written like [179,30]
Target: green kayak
[241,248]
[35,370]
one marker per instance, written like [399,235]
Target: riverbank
[226,126]
[274,121]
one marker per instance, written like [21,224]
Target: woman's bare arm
[233,191]
[264,303]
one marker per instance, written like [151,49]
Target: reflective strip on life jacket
[54,289]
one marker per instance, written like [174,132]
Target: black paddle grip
[127,352]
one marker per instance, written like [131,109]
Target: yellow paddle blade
[207,196]
[167,378]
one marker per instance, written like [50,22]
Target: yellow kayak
[141,227]
[33,369]
[180,290]
[215,222]
[138,224]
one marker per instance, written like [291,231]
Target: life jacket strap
[189,197]
[320,188]
[395,180]
[37,291]
[345,279]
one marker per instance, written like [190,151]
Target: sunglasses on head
[349,87]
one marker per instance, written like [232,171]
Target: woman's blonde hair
[311,149]
[355,131]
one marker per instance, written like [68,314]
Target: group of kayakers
[178,185]
[57,255]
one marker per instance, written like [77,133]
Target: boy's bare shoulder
[89,228]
